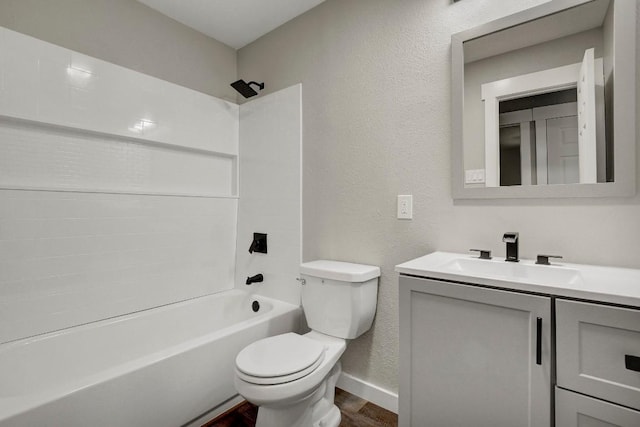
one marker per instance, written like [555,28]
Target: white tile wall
[117,190]
[42,156]
[46,83]
[72,258]
[270,192]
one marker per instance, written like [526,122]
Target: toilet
[292,377]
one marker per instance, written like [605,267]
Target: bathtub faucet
[254,279]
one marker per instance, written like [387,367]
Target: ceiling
[233,22]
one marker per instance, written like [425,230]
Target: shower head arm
[260,85]
[247,89]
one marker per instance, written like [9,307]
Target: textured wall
[128,33]
[376,105]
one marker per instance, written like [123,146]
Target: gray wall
[129,34]
[376,108]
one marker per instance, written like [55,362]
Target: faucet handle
[544,259]
[484,254]
[259,243]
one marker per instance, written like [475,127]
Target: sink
[513,271]
[587,282]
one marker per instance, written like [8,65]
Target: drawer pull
[632,362]
[539,341]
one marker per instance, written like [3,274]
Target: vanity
[487,343]
[543,107]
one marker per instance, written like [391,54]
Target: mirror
[544,103]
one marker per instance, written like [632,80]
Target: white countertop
[596,283]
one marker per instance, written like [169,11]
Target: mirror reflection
[538,101]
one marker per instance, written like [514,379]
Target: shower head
[245,88]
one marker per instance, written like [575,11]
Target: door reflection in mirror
[556,116]
[550,127]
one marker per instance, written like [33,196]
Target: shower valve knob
[259,243]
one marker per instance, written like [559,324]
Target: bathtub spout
[254,279]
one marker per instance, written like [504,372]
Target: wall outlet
[405,207]
[474,176]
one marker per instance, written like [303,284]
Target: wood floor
[356,412]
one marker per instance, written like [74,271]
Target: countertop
[595,283]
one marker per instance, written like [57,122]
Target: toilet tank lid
[338,270]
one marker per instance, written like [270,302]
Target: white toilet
[292,377]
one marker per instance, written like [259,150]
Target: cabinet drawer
[576,410]
[598,350]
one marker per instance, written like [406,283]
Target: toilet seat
[279,359]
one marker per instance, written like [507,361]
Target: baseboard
[208,417]
[374,394]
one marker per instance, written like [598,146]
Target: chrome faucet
[511,239]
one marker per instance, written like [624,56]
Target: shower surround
[119,194]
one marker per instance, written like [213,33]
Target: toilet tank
[339,298]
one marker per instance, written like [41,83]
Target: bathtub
[167,366]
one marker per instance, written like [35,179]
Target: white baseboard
[372,393]
[218,410]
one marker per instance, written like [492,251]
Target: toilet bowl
[292,377]
[291,397]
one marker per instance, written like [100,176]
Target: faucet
[511,239]
[254,279]
[544,259]
[484,253]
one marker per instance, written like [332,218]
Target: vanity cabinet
[484,342]
[473,356]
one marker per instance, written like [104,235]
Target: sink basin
[513,271]
[587,282]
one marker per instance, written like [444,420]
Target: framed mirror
[543,103]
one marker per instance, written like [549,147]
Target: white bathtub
[162,367]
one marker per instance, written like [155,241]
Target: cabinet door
[469,356]
[576,410]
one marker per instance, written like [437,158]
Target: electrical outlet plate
[405,207]
[474,176]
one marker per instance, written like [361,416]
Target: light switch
[405,207]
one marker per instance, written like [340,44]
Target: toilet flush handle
[301,280]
